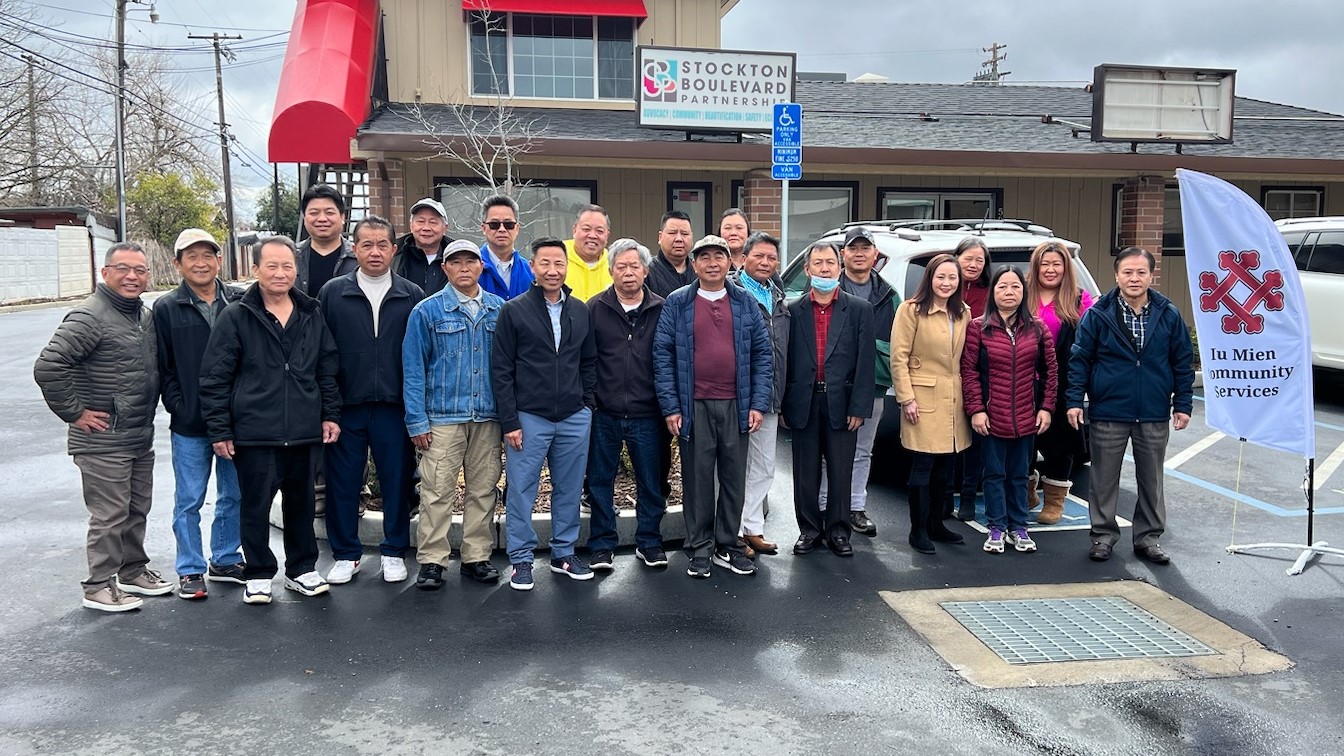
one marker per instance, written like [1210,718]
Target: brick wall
[760,201]
[393,206]
[1141,216]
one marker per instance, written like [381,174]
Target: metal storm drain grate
[1072,629]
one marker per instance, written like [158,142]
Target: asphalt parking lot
[804,656]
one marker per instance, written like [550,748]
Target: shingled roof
[927,117]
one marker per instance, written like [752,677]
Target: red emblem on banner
[1240,267]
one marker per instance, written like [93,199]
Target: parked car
[906,247]
[1317,246]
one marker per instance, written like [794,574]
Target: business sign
[1254,339]
[711,90]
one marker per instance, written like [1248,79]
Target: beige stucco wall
[428,52]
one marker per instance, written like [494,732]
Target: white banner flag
[1254,341]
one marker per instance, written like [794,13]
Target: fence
[45,263]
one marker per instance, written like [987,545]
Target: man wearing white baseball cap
[183,320]
[420,252]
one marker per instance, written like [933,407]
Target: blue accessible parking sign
[786,138]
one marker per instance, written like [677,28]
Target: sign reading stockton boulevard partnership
[711,90]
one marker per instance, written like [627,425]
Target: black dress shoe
[481,572]
[1101,551]
[806,544]
[1153,554]
[839,546]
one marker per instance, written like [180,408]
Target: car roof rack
[978,225]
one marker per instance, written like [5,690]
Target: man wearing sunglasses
[100,375]
[501,276]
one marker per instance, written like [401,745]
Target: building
[387,87]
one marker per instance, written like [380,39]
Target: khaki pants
[118,489]
[473,449]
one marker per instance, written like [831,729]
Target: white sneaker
[257,592]
[394,569]
[308,584]
[342,571]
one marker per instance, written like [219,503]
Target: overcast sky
[1288,51]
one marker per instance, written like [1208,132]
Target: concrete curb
[371,527]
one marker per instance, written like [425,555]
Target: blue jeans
[192,458]
[379,427]
[564,446]
[642,439]
[1006,463]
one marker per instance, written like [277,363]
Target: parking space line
[1194,449]
[1328,467]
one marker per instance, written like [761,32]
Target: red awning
[324,86]
[622,8]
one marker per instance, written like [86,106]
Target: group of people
[991,368]
[431,354]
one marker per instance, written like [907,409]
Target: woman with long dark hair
[926,342]
[1008,373]
[1054,298]
[973,260]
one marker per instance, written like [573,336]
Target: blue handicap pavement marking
[1075,516]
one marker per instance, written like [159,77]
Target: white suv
[1317,246]
[906,247]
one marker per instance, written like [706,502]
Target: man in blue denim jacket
[451,415]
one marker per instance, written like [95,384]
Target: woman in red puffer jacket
[1009,381]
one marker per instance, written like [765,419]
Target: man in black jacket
[860,258]
[625,317]
[671,268]
[544,365]
[366,312]
[419,257]
[828,395]
[269,399]
[325,254]
[183,319]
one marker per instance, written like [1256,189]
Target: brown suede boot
[1033,481]
[1054,502]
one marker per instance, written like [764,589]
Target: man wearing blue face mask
[828,395]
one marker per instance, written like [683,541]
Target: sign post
[786,161]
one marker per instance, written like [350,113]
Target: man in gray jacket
[100,375]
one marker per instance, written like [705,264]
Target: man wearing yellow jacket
[588,273]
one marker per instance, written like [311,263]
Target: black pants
[811,444]
[932,469]
[716,452]
[262,471]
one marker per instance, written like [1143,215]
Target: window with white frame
[547,208]
[1292,201]
[562,57]
[899,204]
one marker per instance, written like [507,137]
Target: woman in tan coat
[926,342]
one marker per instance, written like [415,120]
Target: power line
[86,40]
[161,22]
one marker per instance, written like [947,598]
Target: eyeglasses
[123,269]
[495,225]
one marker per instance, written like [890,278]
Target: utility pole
[231,259]
[275,196]
[120,121]
[34,191]
[989,71]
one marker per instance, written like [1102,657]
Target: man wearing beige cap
[420,253]
[183,319]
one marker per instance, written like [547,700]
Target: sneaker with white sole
[734,561]
[994,543]
[147,583]
[521,580]
[343,571]
[257,592]
[1021,539]
[653,556]
[307,584]
[571,566]
[394,569]
[110,598]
